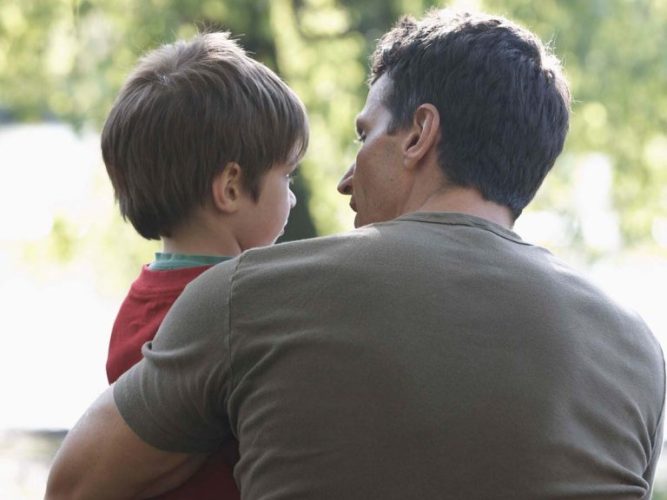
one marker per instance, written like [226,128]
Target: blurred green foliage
[66,59]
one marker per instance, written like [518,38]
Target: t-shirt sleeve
[175,398]
[649,474]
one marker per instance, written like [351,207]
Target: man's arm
[101,458]
[174,399]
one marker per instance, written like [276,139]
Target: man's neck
[467,201]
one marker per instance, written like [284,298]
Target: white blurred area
[56,320]
[55,323]
[46,169]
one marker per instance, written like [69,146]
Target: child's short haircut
[186,111]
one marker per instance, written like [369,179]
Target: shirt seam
[471,224]
[656,431]
[230,362]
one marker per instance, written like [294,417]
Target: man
[430,353]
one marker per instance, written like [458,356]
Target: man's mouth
[353,206]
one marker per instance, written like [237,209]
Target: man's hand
[101,458]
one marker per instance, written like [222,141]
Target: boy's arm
[102,457]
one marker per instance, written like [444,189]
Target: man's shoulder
[264,262]
[570,296]
[402,232]
[318,248]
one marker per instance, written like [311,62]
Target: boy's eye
[292,175]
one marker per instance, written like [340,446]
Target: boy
[200,147]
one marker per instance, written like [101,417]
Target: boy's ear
[422,135]
[227,188]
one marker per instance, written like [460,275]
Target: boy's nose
[345,184]
[292,199]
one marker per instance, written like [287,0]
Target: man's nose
[345,184]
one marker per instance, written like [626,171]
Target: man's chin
[360,221]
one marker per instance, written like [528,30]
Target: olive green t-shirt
[436,356]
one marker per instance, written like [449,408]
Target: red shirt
[138,320]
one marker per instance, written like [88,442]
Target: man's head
[501,101]
[188,111]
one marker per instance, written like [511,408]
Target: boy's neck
[201,237]
[189,247]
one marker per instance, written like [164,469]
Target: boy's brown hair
[187,110]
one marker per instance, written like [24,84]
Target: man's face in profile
[376,179]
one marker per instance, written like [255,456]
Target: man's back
[434,356]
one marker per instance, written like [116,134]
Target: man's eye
[361,138]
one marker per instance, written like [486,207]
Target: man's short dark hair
[502,99]
[186,111]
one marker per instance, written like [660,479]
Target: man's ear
[227,188]
[423,134]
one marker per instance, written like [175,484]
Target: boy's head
[502,99]
[187,111]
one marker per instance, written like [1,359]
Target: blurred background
[67,258]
